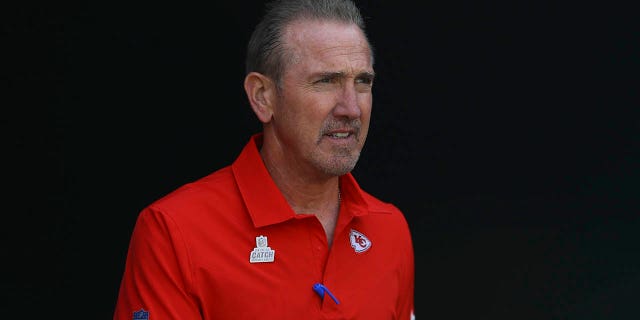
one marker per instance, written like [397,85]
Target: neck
[321,201]
[319,196]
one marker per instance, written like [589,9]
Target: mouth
[341,138]
[339,134]
[342,133]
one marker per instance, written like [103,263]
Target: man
[284,232]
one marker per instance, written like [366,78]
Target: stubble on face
[342,159]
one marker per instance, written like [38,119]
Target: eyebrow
[340,74]
[366,74]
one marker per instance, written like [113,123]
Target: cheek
[365,117]
[365,104]
[365,99]
[364,129]
[303,118]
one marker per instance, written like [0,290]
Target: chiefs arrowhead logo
[359,242]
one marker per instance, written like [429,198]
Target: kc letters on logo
[359,242]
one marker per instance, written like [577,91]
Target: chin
[340,166]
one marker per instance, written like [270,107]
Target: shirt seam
[190,284]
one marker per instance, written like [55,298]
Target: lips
[339,134]
[341,130]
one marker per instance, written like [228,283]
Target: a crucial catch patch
[262,252]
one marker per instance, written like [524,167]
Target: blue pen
[320,289]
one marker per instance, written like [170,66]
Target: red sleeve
[157,276]
[405,305]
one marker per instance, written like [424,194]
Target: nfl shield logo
[141,315]
[261,242]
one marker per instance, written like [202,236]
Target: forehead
[328,44]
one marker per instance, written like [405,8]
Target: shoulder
[212,191]
[386,223]
[376,205]
[387,212]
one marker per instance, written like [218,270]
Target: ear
[261,93]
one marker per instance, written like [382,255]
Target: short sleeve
[157,277]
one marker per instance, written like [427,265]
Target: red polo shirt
[228,246]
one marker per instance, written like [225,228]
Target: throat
[330,219]
[329,224]
[327,216]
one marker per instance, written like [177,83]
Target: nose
[347,105]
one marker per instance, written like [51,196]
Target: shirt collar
[265,202]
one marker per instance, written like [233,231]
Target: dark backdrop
[507,131]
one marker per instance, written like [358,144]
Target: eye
[364,83]
[329,78]
[367,80]
[325,80]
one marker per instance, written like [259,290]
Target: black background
[507,131]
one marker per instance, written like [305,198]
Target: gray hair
[266,52]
